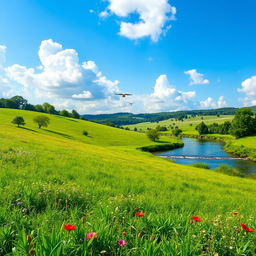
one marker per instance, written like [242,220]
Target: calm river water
[198,151]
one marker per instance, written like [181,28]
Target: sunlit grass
[99,182]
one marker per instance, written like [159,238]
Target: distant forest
[120,119]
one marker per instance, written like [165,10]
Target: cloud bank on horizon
[65,82]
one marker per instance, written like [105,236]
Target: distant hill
[129,118]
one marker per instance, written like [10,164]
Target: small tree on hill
[42,121]
[202,128]
[19,120]
[153,134]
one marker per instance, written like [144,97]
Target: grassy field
[187,126]
[56,176]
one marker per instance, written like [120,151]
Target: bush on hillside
[19,120]
[153,134]
[201,165]
[226,169]
[202,128]
[176,132]
[85,133]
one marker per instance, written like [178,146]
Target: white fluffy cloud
[2,55]
[61,75]
[249,89]
[166,98]
[154,17]
[196,78]
[210,103]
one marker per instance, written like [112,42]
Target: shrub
[202,128]
[226,169]
[19,120]
[85,133]
[201,165]
[153,134]
[176,132]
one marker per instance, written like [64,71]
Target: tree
[202,128]
[19,120]
[48,108]
[39,108]
[153,134]
[243,124]
[42,121]
[176,132]
[75,114]
[65,113]
[225,128]
[19,102]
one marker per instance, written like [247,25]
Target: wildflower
[91,235]
[139,214]
[25,211]
[235,213]
[124,233]
[70,227]
[121,243]
[197,219]
[19,203]
[247,229]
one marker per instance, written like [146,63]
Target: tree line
[18,102]
[129,118]
[243,124]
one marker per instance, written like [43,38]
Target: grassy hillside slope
[55,176]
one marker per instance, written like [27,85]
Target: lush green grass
[99,182]
[245,147]
[187,126]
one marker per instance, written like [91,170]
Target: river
[196,150]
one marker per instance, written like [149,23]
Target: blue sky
[206,59]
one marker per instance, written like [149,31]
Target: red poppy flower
[244,227]
[197,219]
[91,235]
[139,214]
[70,227]
[235,213]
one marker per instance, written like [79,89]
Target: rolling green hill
[56,176]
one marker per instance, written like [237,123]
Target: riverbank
[234,146]
[162,147]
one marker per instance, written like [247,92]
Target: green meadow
[187,125]
[56,176]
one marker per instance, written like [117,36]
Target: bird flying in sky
[124,94]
